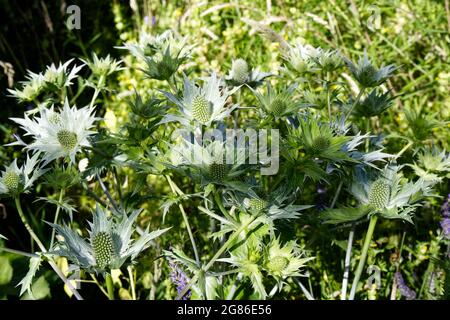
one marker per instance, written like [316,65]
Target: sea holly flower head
[432,164]
[58,134]
[207,161]
[373,104]
[201,105]
[299,59]
[278,103]
[109,245]
[284,261]
[367,74]
[15,180]
[31,89]
[102,67]
[327,60]
[241,73]
[60,76]
[163,54]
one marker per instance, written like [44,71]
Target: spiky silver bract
[201,105]
[15,180]
[110,244]
[58,134]
[386,193]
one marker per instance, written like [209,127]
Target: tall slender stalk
[176,190]
[43,249]
[55,221]
[216,256]
[355,102]
[362,260]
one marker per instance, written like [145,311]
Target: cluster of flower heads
[53,78]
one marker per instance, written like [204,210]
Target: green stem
[186,221]
[43,249]
[355,102]
[328,96]
[132,285]
[216,256]
[97,91]
[27,226]
[219,202]
[362,261]
[109,286]
[55,221]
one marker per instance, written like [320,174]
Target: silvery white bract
[58,134]
[61,76]
[109,245]
[390,195]
[15,179]
[103,66]
[149,45]
[201,104]
[57,76]
[31,88]
[386,193]
[208,161]
[299,59]
[432,165]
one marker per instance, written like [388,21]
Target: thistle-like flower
[102,67]
[327,60]
[319,139]
[278,205]
[58,134]
[373,104]
[284,261]
[31,88]
[432,165]
[109,246]
[60,76]
[162,54]
[367,74]
[240,74]
[299,59]
[207,162]
[15,180]
[278,104]
[201,105]
[386,193]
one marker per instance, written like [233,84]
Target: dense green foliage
[358,93]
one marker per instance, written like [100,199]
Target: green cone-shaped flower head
[103,248]
[201,109]
[257,205]
[379,194]
[277,264]
[278,106]
[11,180]
[218,171]
[67,139]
